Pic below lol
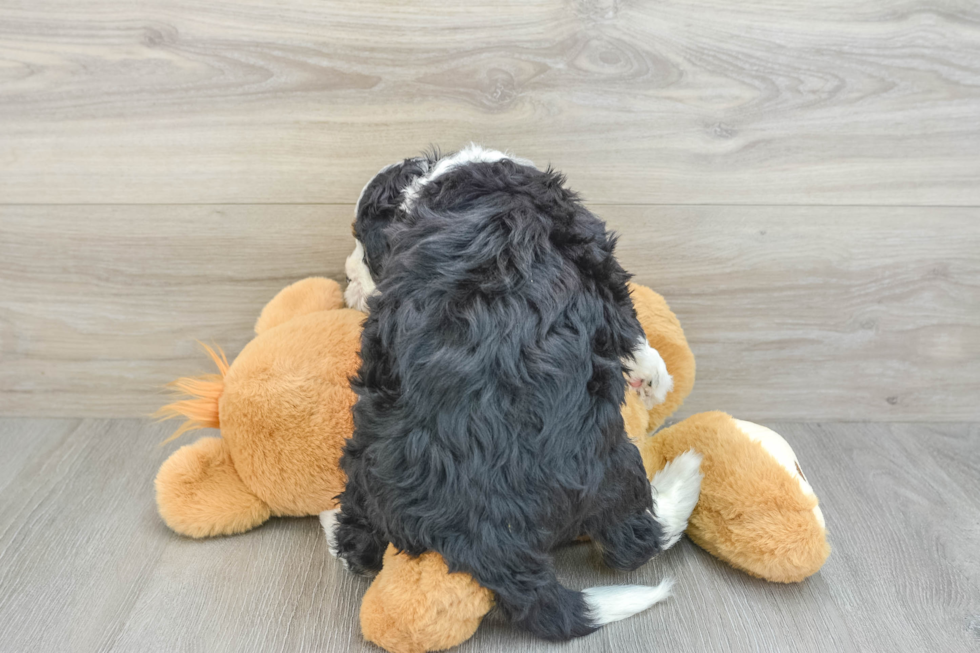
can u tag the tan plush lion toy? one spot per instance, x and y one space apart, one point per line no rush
283 408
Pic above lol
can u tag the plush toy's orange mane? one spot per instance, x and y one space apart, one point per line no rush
201 410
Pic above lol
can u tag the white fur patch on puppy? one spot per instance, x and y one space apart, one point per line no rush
360 284
676 489
615 602
648 375
328 520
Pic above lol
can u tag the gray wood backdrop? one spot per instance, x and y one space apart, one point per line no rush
800 180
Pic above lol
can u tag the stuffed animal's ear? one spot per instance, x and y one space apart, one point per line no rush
306 296
664 333
199 493
415 605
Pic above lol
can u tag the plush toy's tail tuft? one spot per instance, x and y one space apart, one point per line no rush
201 410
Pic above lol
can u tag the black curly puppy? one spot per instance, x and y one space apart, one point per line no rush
488 424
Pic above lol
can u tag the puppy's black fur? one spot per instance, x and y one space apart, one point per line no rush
488 425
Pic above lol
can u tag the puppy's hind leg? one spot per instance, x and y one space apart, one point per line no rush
358 544
623 524
629 543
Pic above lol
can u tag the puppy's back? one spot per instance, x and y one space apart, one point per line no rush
491 379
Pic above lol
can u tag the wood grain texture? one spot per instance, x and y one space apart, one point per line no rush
696 101
909 489
101 307
35 438
86 564
846 313
814 313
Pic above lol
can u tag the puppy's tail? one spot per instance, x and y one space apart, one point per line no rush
557 613
201 409
615 602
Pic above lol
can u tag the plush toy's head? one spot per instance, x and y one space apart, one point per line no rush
757 510
283 408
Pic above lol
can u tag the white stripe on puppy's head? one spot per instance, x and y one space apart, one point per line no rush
472 153
391 193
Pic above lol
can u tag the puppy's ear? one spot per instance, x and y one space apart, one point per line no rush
383 192
380 205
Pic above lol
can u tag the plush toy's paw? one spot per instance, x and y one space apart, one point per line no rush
648 375
328 520
415 605
301 298
676 489
200 494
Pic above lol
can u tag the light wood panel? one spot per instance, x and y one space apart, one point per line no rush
698 101
102 306
819 313
845 313
87 565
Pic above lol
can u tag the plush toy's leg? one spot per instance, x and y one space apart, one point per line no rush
415 605
757 512
305 296
199 493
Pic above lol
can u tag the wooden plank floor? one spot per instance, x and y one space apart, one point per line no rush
86 564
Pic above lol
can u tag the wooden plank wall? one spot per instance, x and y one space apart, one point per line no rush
801 180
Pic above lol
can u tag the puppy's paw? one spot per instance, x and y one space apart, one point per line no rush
648 375
358 549
328 520
676 489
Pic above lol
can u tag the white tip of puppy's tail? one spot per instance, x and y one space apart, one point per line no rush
615 602
676 489
328 520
